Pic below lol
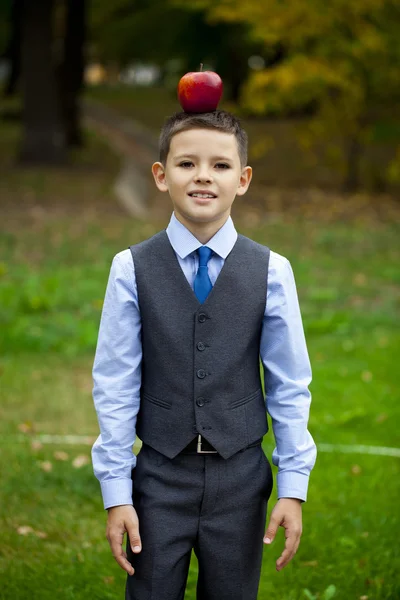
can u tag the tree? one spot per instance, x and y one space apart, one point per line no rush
43 138
13 48
341 57
71 69
159 30
50 80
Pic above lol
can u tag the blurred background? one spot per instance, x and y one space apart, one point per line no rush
84 89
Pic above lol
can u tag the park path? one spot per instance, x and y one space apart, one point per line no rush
138 149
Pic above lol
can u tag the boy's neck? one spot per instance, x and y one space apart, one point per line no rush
203 231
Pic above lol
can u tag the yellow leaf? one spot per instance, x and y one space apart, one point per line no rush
24 530
381 418
356 469
36 445
80 461
366 376
40 534
46 465
60 455
360 279
25 427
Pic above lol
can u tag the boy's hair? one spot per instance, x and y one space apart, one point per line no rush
217 119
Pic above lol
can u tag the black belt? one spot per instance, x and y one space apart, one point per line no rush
206 448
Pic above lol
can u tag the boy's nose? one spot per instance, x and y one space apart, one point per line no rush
203 176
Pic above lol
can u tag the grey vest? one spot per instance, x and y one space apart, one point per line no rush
201 366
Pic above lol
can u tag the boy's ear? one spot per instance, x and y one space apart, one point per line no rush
244 182
159 176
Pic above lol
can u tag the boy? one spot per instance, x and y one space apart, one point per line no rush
187 316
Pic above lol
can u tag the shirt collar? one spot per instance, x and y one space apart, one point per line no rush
184 242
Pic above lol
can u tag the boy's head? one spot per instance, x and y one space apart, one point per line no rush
206 154
219 120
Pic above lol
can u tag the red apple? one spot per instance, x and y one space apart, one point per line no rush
200 91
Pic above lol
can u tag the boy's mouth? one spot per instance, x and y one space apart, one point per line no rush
202 195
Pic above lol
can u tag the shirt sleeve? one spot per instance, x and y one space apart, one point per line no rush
287 375
117 381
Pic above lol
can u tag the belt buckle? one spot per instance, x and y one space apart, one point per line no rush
200 451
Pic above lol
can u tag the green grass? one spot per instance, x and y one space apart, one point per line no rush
59 231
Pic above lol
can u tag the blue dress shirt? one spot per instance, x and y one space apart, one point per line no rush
117 367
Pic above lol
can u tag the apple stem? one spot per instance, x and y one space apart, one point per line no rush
201 67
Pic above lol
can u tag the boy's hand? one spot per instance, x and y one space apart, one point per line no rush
120 519
287 513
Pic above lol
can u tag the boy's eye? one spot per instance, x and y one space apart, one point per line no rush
188 163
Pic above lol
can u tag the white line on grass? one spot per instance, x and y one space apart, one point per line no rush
378 450
89 440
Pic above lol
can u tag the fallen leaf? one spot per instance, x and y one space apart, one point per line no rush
364 597
46 465
40 534
36 445
366 376
86 545
309 563
381 418
80 557
109 579
24 529
80 461
360 279
61 455
25 427
365 534
98 304
356 469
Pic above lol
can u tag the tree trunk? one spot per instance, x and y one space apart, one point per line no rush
232 63
353 155
13 52
43 136
71 71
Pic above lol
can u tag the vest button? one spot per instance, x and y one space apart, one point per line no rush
200 401
201 346
201 373
202 318
194 429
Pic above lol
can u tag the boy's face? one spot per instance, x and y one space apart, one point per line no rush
202 160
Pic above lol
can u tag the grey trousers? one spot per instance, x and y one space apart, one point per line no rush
214 506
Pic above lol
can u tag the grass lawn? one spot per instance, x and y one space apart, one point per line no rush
58 233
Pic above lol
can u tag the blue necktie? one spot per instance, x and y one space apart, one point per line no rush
202 283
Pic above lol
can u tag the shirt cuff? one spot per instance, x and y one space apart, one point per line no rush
116 492
292 485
